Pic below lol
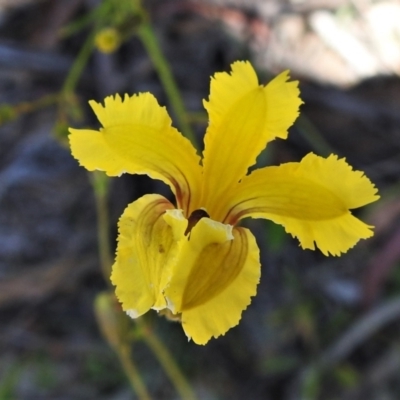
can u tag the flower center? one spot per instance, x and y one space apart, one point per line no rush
194 218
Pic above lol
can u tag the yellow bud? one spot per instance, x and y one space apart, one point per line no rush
112 322
107 40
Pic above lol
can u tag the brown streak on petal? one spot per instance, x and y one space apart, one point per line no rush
228 259
232 217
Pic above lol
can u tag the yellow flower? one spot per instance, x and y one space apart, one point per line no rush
192 258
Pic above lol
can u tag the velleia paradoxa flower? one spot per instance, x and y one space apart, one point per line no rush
192 258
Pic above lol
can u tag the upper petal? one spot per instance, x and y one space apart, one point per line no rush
311 199
137 137
243 116
214 278
146 245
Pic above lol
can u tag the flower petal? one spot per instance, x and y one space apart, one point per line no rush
137 137
214 278
311 199
146 245
244 116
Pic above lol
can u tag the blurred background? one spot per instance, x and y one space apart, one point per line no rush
319 328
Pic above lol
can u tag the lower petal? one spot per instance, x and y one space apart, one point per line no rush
216 316
214 278
145 245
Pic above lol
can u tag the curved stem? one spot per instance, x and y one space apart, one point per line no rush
113 326
79 65
132 372
166 360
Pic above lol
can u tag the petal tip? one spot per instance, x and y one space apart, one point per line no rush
132 313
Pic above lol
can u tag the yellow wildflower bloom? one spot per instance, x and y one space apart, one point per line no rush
192 258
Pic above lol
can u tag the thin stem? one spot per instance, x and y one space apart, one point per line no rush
79 65
42 102
10 112
199 117
150 42
113 325
165 358
132 372
99 180
100 187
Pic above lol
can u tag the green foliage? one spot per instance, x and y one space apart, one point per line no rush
279 364
346 375
9 381
44 372
311 385
60 131
275 235
7 113
102 370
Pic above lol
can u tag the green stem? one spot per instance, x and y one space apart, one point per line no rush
132 372
79 65
113 324
150 42
199 117
166 360
100 187
45 101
